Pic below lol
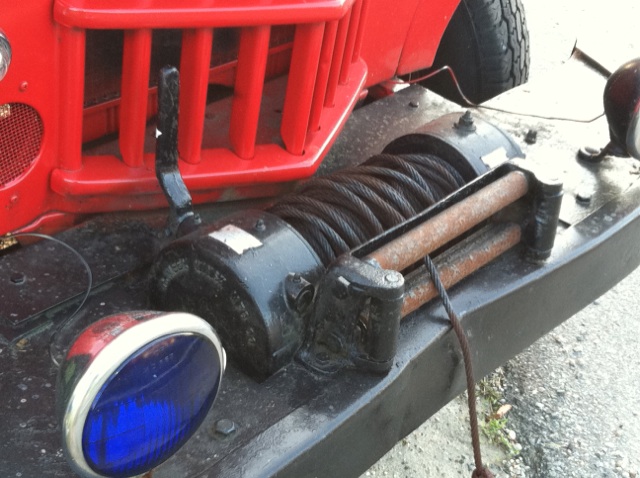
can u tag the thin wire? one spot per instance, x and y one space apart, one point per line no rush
471 104
86 294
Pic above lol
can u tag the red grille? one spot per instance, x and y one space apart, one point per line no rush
295 70
20 140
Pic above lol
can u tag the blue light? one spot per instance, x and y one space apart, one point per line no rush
151 406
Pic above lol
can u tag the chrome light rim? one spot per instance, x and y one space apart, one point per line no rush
5 59
110 358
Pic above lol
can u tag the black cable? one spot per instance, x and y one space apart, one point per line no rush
87 268
471 104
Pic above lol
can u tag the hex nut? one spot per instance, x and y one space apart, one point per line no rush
225 427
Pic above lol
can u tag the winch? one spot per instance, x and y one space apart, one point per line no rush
291 279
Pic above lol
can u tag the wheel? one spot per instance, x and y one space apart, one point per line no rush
487 45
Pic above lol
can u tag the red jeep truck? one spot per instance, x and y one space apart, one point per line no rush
210 187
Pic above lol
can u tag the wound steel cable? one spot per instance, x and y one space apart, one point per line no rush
340 211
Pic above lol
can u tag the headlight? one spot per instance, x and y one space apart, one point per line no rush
5 55
134 387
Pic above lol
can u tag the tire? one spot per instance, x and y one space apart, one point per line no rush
487 45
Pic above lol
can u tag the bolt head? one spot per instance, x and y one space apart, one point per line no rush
225 427
465 122
531 137
260 225
392 277
583 196
18 278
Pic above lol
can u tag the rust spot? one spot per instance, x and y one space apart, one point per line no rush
459 262
7 241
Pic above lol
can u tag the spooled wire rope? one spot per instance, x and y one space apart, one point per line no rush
338 212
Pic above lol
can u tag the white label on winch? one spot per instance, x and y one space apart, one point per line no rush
496 157
235 238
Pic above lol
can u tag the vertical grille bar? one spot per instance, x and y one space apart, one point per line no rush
363 16
72 60
338 54
194 80
328 45
136 61
350 42
305 56
250 74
